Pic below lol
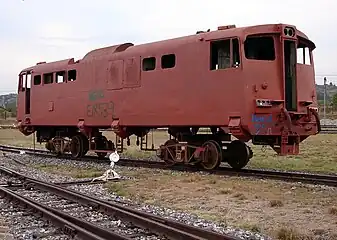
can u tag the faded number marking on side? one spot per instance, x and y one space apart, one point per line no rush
103 109
260 122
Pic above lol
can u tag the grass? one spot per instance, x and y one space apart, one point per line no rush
71 171
289 234
276 203
317 153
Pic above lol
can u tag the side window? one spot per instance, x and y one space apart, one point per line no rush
225 54
168 61
22 82
149 64
260 48
303 54
47 78
71 75
37 79
60 77
29 80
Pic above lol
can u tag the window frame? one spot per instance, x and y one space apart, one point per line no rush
22 82
52 79
231 53
252 36
34 83
168 55
67 78
148 58
65 74
301 46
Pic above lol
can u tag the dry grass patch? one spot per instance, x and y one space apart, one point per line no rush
311 157
226 191
239 196
251 227
276 203
333 210
74 172
292 234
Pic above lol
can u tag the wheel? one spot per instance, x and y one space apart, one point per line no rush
212 155
169 154
76 146
238 154
85 142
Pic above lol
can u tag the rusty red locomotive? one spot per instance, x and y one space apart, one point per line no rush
254 83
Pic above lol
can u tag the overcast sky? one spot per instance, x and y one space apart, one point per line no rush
46 30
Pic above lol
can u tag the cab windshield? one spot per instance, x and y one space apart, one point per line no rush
303 52
260 48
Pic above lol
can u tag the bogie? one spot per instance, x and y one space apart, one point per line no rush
205 150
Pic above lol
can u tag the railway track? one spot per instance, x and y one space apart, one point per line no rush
320 179
85 217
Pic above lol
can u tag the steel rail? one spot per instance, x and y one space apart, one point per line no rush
70 225
322 179
159 225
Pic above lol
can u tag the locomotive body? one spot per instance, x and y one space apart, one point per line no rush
247 82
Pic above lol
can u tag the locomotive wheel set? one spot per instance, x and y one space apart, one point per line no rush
244 82
207 153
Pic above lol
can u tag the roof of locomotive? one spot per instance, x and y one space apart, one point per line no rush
172 43
211 35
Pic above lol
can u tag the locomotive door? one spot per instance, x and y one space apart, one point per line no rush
115 74
28 92
290 60
131 73
24 92
124 73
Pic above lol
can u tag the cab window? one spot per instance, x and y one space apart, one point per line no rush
260 48
225 54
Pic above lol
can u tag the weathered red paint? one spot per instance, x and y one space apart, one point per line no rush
112 90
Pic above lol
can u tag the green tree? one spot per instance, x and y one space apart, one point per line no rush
334 100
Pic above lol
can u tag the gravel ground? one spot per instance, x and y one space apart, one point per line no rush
328 121
100 192
88 214
24 225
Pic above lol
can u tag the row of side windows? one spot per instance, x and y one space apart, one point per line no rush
60 77
167 61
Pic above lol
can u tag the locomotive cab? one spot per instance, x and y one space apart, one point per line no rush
283 95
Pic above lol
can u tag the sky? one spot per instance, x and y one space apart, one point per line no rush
32 31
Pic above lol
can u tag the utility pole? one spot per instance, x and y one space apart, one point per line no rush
324 97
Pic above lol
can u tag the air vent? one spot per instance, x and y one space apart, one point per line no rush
226 27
